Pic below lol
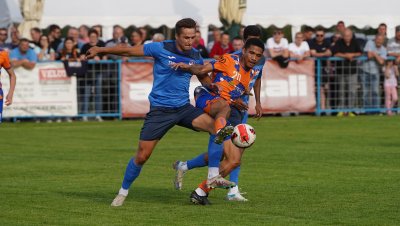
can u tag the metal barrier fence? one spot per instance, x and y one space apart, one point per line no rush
342 87
99 90
356 87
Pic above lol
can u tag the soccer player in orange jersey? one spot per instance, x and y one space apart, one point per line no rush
231 78
5 63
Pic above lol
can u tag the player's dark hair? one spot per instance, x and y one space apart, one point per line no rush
251 30
184 23
254 42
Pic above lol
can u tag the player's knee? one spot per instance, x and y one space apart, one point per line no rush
142 156
234 163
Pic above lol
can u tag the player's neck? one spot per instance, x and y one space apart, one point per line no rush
243 65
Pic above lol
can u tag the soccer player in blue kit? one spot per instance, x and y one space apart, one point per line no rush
169 101
231 163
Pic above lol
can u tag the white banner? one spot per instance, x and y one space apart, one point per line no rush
44 91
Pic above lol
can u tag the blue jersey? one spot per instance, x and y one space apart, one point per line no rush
170 87
257 71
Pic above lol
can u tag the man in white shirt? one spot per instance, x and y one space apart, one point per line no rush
299 49
393 46
277 48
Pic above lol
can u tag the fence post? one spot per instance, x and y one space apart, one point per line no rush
318 112
119 90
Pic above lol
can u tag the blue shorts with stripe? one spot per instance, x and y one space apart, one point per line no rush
160 119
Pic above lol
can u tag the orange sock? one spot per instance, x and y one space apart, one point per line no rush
219 123
203 186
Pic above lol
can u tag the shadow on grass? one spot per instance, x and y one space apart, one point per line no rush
137 194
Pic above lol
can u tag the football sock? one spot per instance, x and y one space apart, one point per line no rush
203 186
219 123
200 192
132 171
214 157
198 161
234 175
233 190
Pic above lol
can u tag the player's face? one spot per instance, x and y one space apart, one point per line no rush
185 39
252 55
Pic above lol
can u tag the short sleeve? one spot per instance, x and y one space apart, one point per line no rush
368 46
269 43
285 43
153 49
6 62
222 63
14 54
306 46
32 56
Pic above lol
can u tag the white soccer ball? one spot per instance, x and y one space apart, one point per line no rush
243 135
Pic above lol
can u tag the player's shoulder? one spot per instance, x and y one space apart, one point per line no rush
170 46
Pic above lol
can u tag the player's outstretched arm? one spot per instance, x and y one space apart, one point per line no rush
13 81
257 90
115 50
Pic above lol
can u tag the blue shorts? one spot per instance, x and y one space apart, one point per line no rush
204 99
160 119
236 116
1 105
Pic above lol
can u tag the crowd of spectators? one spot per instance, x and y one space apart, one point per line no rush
342 42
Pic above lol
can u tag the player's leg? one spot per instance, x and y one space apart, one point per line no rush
156 124
196 119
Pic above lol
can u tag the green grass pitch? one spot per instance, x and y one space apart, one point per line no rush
301 171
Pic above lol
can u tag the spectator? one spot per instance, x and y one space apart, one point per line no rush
158 37
23 56
99 30
83 34
348 49
44 52
382 29
237 43
69 52
320 47
201 39
15 38
118 32
376 53
54 36
73 33
3 39
144 33
93 79
197 45
340 27
221 47
216 37
394 46
136 38
299 49
35 37
308 34
335 37
277 48
391 72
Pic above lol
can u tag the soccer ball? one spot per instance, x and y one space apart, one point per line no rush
243 135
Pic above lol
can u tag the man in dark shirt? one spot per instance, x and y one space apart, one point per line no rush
347 70
197 45
320 47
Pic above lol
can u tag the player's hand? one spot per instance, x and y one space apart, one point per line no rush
213 88
180 65
239 104
92 52
9 100
259 111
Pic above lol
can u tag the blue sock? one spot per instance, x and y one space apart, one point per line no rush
234 176
214 152
245 117
132 171
197 162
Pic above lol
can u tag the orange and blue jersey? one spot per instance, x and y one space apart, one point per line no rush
4 61
230 77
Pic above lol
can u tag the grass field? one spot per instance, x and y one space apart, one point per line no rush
301 171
